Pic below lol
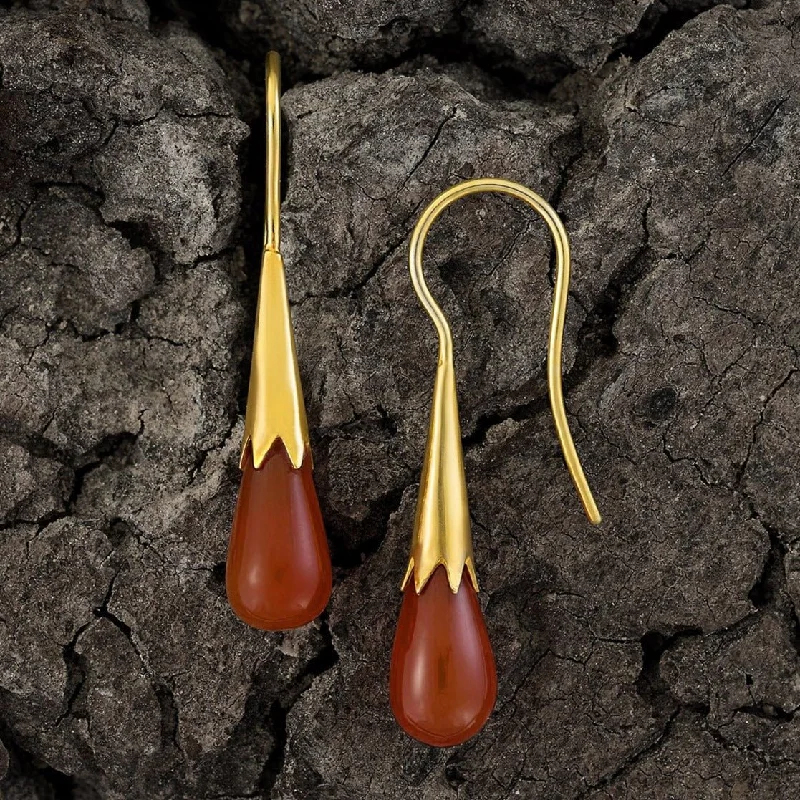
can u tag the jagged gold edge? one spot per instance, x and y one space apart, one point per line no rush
421 581
257 463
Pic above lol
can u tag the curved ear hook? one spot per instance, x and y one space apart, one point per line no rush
442 526
272 234
275 408
560 294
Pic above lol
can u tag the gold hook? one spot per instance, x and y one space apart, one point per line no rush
275 407
441 530
272 231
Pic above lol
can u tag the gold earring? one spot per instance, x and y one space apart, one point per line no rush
443 682
278 571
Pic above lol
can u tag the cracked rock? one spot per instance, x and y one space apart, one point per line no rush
754 671
177 178
692 762
546 40
324 35
63 242
554 37
30 486
653 657
542 41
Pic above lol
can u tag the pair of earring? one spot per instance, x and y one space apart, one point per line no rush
443 681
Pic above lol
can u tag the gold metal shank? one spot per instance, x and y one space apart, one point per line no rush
272 234
275 408
442 527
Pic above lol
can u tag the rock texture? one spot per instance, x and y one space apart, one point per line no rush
653 657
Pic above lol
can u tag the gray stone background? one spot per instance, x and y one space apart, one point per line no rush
653 657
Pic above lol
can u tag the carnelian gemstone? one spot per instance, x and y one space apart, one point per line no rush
442 682
278 573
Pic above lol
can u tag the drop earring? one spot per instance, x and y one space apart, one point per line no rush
443 682
278 572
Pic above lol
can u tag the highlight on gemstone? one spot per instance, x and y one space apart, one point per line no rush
443 681
278 573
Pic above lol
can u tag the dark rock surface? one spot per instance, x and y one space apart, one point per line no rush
653 657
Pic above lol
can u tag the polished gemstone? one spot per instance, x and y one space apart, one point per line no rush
278 573
442 683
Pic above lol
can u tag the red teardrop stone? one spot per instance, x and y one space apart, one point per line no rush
442 682
278 573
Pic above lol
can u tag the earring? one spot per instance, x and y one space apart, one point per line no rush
278 572
443 682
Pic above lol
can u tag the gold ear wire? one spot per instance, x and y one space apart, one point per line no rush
272 220
442 529
275 408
